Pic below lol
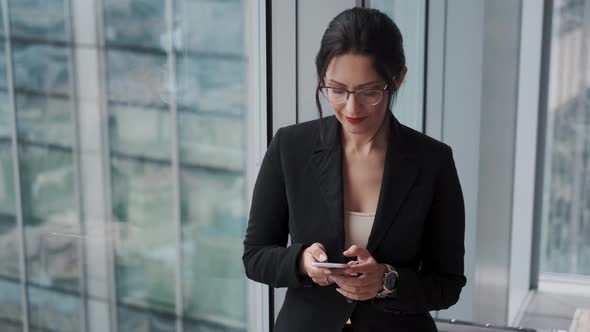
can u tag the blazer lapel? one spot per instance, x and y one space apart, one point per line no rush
327 161
399 175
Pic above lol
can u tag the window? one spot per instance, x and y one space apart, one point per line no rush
164 119
10 301
410 17
43 100
565 240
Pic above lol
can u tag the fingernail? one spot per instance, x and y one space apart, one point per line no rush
327 272
323 257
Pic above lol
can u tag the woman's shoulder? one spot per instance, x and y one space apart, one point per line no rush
303 134
295 143
306 128
424 146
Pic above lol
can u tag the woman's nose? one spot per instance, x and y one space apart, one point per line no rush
351 103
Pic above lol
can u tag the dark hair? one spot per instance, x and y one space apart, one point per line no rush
368 32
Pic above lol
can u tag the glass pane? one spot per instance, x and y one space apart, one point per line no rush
210 84
5 118
5 111
40 69
226 18
38 19
49 211
212 141
211 70
146 242
565 242
136 78
10 305
10 296
138 320
53 310
3 77
2 26
44 120
140 132
213 225
40 72
9 252
48 179
410 17
135 23
212 98
10 287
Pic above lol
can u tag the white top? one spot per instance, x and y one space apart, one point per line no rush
357 227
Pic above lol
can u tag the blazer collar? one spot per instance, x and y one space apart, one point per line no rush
399 175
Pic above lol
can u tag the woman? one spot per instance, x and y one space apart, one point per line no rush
358 188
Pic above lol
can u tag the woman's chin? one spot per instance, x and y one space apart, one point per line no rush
356 129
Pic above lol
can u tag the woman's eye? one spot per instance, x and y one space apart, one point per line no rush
338 92
369 93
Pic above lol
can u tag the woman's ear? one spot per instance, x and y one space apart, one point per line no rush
397 82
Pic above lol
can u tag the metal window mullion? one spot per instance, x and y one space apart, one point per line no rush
16 169
109 230
259 311
434 70
175 163
543 144
77 171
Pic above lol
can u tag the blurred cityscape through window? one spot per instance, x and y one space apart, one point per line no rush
166 106
565 240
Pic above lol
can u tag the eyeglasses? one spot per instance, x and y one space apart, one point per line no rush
369 97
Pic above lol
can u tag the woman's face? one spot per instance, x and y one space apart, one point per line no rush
355 72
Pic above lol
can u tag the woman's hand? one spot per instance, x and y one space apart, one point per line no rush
315 253
370 279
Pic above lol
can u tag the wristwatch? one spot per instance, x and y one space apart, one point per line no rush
390 281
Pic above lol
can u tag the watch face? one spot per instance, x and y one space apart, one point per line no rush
391 281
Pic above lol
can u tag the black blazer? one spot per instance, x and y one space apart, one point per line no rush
418 228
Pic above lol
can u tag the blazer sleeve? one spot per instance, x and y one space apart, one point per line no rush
437 283
266 257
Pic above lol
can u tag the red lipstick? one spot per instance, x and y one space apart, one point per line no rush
355 120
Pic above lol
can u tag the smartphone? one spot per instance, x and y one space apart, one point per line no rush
330 265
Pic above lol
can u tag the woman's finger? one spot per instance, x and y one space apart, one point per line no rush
322 281
361 253
318 252
354 281
357 286
357 297
363 289
364 268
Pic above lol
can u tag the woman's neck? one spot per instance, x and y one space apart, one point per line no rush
365 144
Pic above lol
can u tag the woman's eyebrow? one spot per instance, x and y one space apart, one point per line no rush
356 87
